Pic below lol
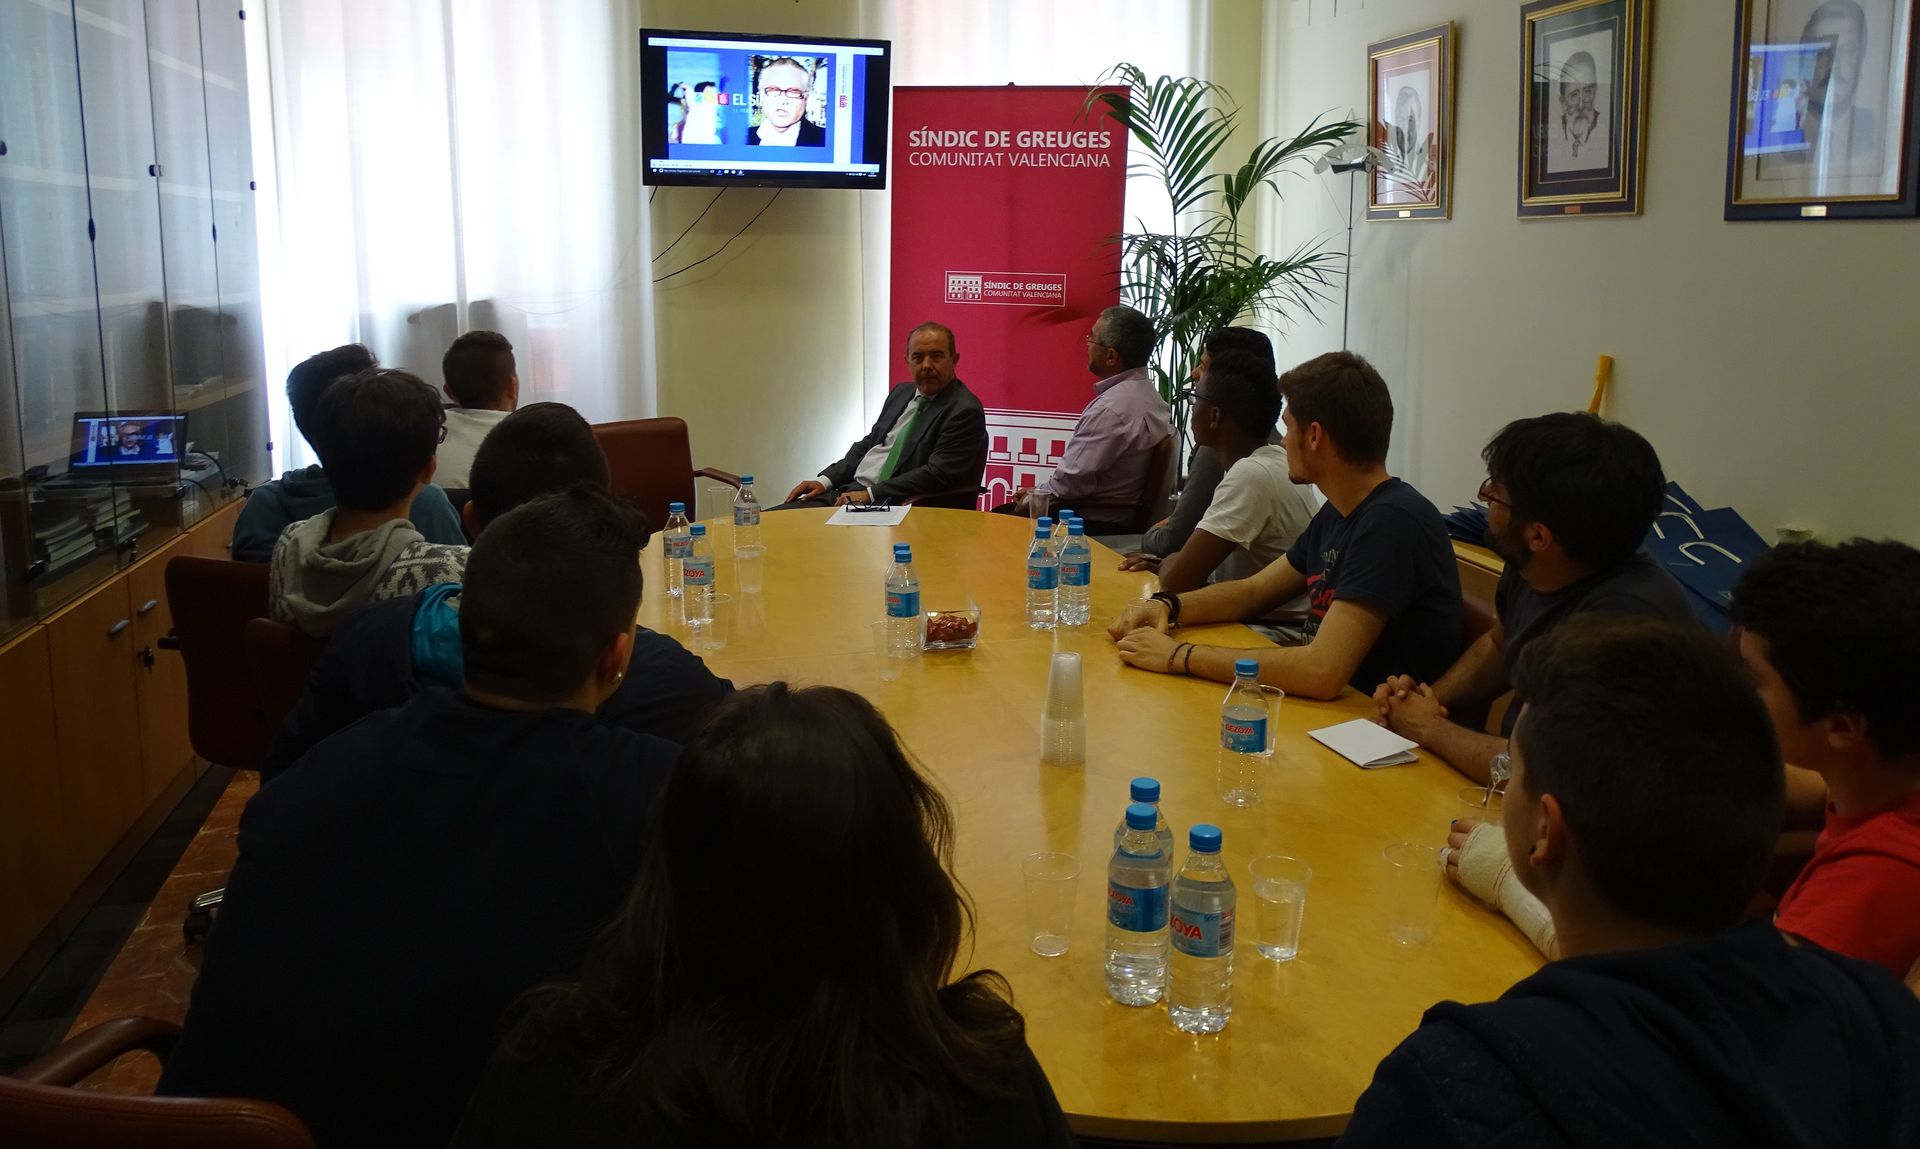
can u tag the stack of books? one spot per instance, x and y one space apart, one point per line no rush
117 520
64 539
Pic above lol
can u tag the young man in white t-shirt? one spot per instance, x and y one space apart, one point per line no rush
1257 511
483 382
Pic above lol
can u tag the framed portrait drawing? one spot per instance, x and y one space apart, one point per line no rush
1583 106
1824 104
1410 119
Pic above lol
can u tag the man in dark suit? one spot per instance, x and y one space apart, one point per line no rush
931 437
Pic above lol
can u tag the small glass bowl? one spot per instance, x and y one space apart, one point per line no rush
952 629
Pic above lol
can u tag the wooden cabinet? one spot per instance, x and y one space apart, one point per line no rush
96 713
36 869
213 537
160 678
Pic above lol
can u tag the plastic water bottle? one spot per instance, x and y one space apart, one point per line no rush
1076 576
1147 792
903 601
678 542
746 515
1243 736
1060 522
1137 880
1043 577
698 569
1200 975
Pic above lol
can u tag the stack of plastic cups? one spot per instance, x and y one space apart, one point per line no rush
1063 725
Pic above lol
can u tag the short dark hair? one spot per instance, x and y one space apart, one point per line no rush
953 346
548 585
1842 626
477 368
1344 394
1242 386
537 450
1596 485
1221 340
311 377
1129 333
375 432
1652 738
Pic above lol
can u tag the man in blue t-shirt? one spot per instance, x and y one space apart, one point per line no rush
1375 561
1569 498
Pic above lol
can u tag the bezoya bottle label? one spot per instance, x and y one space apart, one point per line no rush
746 515
1201 933
903 604
698 572
1243 735
1141 910
1076 573
1042 576
679 546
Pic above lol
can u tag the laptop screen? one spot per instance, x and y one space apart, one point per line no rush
127 439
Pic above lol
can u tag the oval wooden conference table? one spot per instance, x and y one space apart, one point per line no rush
1305 1035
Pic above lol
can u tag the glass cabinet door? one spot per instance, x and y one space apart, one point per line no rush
236 243
58 369
123 181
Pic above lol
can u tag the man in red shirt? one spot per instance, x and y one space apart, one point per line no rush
1832 635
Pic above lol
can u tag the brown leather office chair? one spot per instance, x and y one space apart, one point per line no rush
212 601
1152 503
40 1109
280 658
651 462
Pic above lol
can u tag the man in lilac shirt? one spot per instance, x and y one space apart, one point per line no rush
1104 469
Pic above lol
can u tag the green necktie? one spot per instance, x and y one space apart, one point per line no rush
900 440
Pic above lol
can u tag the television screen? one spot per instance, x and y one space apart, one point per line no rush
723 109
104 440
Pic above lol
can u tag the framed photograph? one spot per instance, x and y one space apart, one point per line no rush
1583 106
1823 99
1410 116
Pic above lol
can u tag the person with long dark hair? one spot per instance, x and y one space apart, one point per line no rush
780 975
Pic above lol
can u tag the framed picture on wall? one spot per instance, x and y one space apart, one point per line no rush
1410 117
1583 106
1823 103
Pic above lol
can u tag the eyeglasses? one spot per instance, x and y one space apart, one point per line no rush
1193 394
1485 495
783 93
443 433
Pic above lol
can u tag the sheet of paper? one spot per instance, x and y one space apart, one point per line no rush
848 517
1366 744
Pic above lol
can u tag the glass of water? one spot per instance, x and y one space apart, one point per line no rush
1280 897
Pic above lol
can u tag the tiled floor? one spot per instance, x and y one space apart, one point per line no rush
134 933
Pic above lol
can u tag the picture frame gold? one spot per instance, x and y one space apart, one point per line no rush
1583 106
1410 109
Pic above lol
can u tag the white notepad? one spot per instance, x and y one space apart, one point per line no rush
1366 744
848 517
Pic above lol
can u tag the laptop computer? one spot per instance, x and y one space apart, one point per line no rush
127 446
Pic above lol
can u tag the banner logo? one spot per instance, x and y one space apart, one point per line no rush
1007 288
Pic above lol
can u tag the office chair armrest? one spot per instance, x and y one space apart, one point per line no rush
727 477
169 641
71 1061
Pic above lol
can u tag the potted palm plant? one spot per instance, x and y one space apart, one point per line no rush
1204 273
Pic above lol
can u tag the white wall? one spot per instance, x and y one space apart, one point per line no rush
1772 364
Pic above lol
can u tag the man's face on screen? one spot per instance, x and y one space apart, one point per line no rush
932 362
783 95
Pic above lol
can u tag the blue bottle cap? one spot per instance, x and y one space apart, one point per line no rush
676 508
1246 668
1044 522
745 479
1144 790
1076 527
1141 816
1204 839
903 552
1041 530
1067 513
698 529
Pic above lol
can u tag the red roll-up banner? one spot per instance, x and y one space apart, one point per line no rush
1005 204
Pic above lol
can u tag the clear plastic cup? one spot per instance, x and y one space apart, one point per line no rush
713 636
1052 880
888 661
1481 803
1280 902
1413 891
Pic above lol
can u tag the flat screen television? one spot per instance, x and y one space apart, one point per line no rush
725 109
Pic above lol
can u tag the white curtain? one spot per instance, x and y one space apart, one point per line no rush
446 165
